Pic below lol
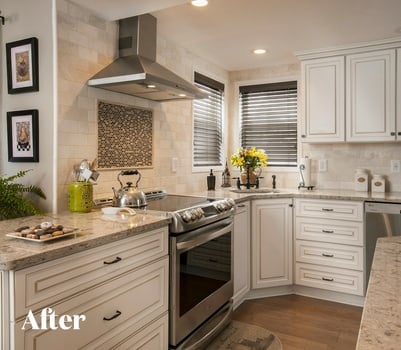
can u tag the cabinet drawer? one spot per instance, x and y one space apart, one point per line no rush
42 285
332 231
153 337
335 255
330 209
135 299
330 278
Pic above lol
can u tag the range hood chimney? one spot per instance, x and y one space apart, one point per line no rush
136 72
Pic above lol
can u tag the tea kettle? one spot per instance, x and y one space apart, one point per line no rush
129 196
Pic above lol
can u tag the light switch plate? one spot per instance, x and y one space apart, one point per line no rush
395 166
322 165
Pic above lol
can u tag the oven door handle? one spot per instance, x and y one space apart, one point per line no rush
202 238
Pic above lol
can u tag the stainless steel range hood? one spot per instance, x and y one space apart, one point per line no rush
136 72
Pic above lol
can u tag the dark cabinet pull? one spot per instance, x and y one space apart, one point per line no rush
118 313
327 231
327 209
327 279
328 255
117 259
241 205
399 133
303 136
392 133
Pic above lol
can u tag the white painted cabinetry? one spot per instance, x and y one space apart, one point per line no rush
120 287
242 252
370 87
323 94
329 245
357 85
398 96
271 243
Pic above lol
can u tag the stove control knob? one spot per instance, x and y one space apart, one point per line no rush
186 216
194 215
220 206
199 213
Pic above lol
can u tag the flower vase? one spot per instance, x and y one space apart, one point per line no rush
250 176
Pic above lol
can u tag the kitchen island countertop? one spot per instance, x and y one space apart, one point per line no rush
381 318
94 229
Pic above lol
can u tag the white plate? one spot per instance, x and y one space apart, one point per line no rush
12 235
117 210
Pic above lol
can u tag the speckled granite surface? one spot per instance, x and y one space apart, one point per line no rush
314 194
94 229
381 318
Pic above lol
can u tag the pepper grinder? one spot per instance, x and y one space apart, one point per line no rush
211 181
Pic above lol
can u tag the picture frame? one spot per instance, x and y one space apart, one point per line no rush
22 66
23 136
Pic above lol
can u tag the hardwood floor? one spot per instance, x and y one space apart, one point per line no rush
304 323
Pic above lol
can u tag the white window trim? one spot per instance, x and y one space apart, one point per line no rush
236 120
206 169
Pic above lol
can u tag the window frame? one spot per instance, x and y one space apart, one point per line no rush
237 113
206 169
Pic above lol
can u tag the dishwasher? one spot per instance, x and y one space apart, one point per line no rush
381 220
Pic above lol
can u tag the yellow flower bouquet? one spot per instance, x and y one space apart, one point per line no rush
249 158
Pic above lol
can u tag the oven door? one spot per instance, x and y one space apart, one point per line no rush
201 276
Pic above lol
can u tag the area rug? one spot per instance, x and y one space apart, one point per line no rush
243 336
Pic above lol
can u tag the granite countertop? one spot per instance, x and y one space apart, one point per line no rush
381 318
244 195
94 229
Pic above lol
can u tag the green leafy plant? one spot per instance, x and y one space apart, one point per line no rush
14 202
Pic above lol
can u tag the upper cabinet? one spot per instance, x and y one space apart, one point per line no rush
323 100
349 94
370 96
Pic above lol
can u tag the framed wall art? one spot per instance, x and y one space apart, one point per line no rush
22 66
23 136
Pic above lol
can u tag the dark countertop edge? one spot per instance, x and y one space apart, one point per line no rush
81 244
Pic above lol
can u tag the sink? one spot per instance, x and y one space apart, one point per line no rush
256 190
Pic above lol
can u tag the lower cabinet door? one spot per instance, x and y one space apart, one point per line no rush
330 278
112 312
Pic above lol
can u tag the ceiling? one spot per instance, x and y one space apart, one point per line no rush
226 31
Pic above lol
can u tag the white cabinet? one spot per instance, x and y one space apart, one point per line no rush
242 251
271 242
330 245
121 288
398 97
352 93
323 94
370 86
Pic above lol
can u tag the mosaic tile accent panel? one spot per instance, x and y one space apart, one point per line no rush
125 136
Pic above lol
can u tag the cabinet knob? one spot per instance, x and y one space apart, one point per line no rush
303 136
393 133
399 133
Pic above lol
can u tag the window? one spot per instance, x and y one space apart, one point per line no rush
268 115
208 123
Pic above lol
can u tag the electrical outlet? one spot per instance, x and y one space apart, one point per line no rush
395 166
322 165
174 163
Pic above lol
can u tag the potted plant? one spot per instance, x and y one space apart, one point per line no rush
13 200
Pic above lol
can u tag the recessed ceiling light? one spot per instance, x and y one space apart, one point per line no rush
199 3
259 51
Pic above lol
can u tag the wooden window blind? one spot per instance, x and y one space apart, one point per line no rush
268 115
208 123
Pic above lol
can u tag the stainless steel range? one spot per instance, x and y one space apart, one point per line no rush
201 285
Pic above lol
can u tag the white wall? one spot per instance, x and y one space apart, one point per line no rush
25 19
